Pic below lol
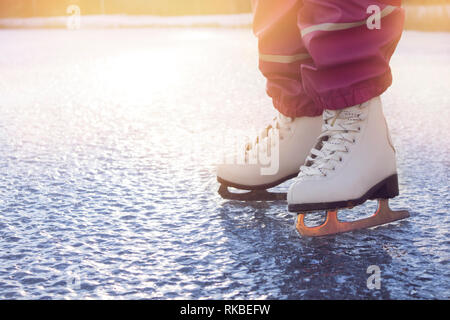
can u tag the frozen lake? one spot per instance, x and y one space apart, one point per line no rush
108 140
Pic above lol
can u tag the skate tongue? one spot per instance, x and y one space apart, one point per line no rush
335 117
351 113
282 119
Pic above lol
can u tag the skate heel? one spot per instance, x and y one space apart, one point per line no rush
388 189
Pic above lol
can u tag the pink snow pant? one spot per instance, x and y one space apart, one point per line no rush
325 54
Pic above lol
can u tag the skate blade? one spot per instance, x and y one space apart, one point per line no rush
332 225
252 195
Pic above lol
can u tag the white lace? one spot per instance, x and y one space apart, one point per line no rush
339 130
263 142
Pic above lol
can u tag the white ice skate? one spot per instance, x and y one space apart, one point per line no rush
274 157
353 161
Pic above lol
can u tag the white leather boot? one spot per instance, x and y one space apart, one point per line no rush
353 161
275 156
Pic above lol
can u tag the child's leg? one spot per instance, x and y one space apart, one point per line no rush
354 159
282 52
282 147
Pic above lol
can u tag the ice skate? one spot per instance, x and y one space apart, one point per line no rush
274 157
353 161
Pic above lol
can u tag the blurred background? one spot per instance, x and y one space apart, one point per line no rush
430 15
26 8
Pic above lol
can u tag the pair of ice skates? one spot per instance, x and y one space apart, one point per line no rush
339 160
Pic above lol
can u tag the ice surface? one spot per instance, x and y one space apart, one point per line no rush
108 140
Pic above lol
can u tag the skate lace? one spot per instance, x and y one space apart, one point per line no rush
268 137
339 130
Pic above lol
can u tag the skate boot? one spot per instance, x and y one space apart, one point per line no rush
274 157
353 161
